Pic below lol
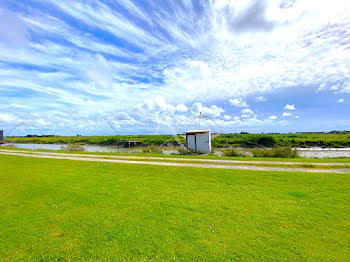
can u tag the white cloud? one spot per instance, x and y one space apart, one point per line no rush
334 87
289 107
286 114
247 111
272 117
227 117
6 117
341 100
157 105
238 102
261 99
181 108
214 111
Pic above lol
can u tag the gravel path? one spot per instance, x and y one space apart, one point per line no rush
127 160
177 159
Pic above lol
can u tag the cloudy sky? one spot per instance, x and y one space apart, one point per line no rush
147 67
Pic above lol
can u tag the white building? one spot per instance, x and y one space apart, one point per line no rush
199 140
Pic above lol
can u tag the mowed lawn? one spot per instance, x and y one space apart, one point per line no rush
69 210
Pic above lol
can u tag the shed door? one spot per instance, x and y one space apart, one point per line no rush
191 142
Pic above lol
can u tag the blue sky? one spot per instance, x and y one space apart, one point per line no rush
147 67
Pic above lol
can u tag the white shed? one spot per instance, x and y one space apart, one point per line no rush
198 140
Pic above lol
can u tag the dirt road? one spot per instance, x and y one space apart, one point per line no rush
203 163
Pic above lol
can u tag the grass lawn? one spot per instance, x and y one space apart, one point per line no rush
71 210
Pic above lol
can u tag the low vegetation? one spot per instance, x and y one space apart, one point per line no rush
185 151
152 149
223 140
272 140
284 152
60 210
10 145
73 147
231 152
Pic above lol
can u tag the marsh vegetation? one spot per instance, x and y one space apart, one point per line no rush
223 140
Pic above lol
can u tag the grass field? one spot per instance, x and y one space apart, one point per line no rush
223 140
71 210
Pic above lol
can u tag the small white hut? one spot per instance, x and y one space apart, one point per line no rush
198 140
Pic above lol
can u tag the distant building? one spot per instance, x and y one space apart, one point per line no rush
199 140
332 132
339 132
311 133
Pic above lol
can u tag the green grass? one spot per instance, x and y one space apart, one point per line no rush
286 165
223 140
71 210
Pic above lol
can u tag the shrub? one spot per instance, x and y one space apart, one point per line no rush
308 165
259 140
110 141
152 149
73 147
231 152
267 141
184 151
283 152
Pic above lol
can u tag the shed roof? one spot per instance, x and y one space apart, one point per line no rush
198 131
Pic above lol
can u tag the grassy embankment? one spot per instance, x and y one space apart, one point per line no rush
224 140
271 140
97 140
71 210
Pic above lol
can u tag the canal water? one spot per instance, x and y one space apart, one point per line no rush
303 152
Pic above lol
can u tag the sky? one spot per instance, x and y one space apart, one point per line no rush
73 67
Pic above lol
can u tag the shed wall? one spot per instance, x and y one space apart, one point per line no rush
199 142
203 143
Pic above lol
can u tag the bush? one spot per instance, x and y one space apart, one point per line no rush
152 149
259 140
231 152
267 141
73 147
282 152
184 151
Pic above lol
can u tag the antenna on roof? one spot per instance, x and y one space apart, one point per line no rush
112 127
199 121
15 127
